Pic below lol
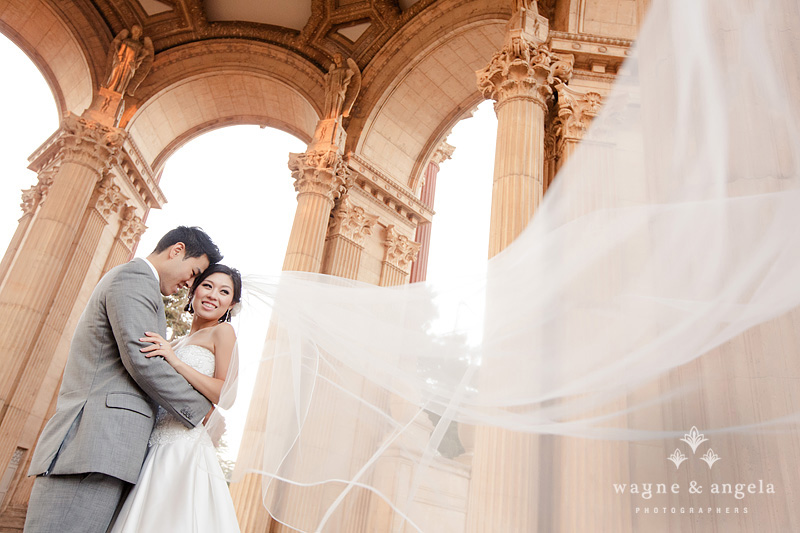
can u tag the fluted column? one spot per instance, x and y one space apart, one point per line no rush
399 253
49 269
349 227
509 479
419 269
519 78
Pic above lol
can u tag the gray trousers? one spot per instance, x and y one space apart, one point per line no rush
80 503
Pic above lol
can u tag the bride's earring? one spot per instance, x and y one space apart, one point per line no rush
227 316
189 308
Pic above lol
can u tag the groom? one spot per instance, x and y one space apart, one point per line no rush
93 447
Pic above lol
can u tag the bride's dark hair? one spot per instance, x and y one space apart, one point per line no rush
235 276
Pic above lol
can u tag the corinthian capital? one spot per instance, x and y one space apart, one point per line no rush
88 142
36 195
131 227
575 112
352 221
400 250
523 69
443 152
107 197
319 172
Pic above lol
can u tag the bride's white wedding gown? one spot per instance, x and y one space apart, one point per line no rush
181 487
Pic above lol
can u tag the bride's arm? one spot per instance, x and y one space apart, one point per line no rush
223 338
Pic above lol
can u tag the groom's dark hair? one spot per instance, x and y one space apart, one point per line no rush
197 243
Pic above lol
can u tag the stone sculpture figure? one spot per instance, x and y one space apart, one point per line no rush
129 60
342 85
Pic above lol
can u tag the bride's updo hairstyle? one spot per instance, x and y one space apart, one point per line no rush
235 276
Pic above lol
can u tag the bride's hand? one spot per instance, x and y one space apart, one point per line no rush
160 348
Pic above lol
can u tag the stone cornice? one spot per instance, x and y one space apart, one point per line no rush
387 192
140 175
594 54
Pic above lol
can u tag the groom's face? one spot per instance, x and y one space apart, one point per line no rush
180 272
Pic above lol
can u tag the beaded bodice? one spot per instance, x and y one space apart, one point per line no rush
169 429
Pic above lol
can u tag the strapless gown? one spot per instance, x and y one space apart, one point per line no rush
181 487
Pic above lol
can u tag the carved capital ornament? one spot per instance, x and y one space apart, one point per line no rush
352 221
319 172
575 112
131 227
525 67
400 251
89 143
107 197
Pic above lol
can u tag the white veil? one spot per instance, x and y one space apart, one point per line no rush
624 313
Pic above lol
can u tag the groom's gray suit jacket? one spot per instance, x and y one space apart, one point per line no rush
110 391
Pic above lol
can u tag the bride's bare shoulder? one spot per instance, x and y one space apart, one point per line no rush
223 332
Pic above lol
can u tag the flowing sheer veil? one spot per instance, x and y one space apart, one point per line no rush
625 312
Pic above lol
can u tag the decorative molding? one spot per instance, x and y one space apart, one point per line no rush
400 251
525 67
575 113
131 227
588 38
351 221
82 141
36 195
107 197
387 193
442 153
319 172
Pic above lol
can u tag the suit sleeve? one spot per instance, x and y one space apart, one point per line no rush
132 309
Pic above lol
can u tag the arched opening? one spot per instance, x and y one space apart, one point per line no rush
234 183
30 117
460 228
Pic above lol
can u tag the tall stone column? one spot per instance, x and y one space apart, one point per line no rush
419 269
350 226
399 253
519 78
508 483
48 270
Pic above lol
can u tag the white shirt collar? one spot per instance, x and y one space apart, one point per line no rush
155 272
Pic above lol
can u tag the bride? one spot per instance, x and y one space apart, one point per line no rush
181 486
